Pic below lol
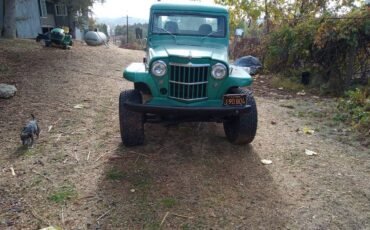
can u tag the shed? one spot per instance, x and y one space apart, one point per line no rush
27 18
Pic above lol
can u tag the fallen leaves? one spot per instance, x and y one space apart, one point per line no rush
310 152
12 170
79 106
266 162
309 131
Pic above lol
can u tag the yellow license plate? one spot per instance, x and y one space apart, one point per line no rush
235 99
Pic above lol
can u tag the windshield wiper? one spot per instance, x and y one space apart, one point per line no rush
163 29
213 32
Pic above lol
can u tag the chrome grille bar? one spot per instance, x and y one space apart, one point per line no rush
188 82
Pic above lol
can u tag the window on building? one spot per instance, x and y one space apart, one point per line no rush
44 12
60 9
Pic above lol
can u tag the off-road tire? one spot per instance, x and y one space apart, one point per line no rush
131 123
242 129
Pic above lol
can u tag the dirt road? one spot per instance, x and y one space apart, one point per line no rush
186 176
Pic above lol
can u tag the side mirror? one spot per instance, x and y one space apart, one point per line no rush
239 32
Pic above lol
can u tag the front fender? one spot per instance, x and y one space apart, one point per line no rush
137 73
238 78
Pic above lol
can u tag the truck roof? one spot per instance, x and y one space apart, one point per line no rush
201 7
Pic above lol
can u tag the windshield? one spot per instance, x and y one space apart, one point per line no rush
189 24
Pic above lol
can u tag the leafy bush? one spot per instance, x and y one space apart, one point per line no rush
335 50
357 104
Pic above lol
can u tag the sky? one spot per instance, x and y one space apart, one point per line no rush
134 8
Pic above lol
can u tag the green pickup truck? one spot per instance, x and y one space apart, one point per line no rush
186 76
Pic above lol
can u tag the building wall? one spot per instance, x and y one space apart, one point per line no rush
27 18
48 22
61 21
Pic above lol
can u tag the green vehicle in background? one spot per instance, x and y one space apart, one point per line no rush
56 37
186 76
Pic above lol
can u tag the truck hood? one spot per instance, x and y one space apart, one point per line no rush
188 51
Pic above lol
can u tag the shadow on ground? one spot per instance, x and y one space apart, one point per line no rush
192 173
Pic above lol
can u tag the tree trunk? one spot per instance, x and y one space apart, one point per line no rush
267 18
71 22
9 19
302 8
351 56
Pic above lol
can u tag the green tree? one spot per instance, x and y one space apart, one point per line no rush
276 12
239 10
102 28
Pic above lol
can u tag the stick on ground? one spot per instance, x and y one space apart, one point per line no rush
164 218
178 215
33 212
62 215
103 215
101 156
43 176
88 156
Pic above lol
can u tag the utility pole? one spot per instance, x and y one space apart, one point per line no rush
127 28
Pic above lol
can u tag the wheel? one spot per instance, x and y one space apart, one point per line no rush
131 123
242 129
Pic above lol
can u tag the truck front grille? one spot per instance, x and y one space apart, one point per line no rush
188 82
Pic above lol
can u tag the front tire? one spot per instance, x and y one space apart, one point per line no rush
131 123
242 129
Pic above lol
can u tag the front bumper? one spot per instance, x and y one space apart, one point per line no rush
222 111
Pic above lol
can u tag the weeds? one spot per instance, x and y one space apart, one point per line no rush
153 226
4 68
185 227
63 193
356 108
340 117
141 180
115 174
168 202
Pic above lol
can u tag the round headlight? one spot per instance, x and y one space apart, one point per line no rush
219 71
159 68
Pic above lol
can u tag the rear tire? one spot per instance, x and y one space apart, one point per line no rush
242 129
131 123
